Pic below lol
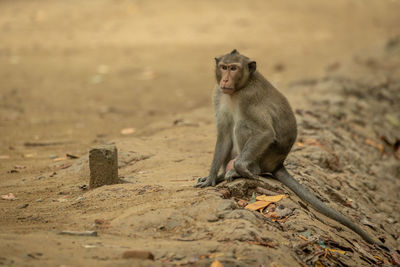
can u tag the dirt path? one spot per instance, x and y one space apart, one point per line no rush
78 73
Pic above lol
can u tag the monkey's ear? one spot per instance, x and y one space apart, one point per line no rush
217 59
252 66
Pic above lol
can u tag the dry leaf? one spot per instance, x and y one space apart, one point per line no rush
335 250
257 205
9 196
303 237
395 257
19 167
372 143
127 131
215 255
216 263
60 159
270 198
300 144
242 203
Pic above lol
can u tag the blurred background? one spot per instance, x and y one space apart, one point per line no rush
75 74
78 71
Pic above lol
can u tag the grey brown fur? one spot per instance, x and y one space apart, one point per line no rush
257 128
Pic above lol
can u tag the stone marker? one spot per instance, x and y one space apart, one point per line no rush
103 163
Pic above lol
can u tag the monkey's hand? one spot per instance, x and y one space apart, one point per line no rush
206 181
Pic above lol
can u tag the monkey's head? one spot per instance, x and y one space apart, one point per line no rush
233 71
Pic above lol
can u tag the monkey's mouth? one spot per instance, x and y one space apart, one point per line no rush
227 90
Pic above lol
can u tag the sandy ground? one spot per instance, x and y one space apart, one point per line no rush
73 74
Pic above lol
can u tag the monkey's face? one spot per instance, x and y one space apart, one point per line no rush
233 71
230 76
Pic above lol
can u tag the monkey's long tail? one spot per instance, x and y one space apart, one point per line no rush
284 177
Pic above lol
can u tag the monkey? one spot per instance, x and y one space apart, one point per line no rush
256 129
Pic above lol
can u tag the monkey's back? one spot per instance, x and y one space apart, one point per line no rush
277 107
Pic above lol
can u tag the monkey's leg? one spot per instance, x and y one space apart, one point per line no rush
228 165
247 164
223 149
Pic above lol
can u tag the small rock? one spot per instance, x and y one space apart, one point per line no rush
19 167
80 198
75 233
282 211
226 205
23 206
62 199
212 218
83 187
39 200
279 67
138 254
225 193
390 220
193 259
99 221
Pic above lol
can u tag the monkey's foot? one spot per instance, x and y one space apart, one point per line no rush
205 181
202 179
230 175
242 171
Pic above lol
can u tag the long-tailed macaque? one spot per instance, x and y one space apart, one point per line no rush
256 130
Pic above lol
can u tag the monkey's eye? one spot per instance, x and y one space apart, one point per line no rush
224 67
233 68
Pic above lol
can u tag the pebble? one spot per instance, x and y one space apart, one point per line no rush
84 233
23 206
138 254
390 220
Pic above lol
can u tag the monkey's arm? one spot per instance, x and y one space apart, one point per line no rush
223 149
